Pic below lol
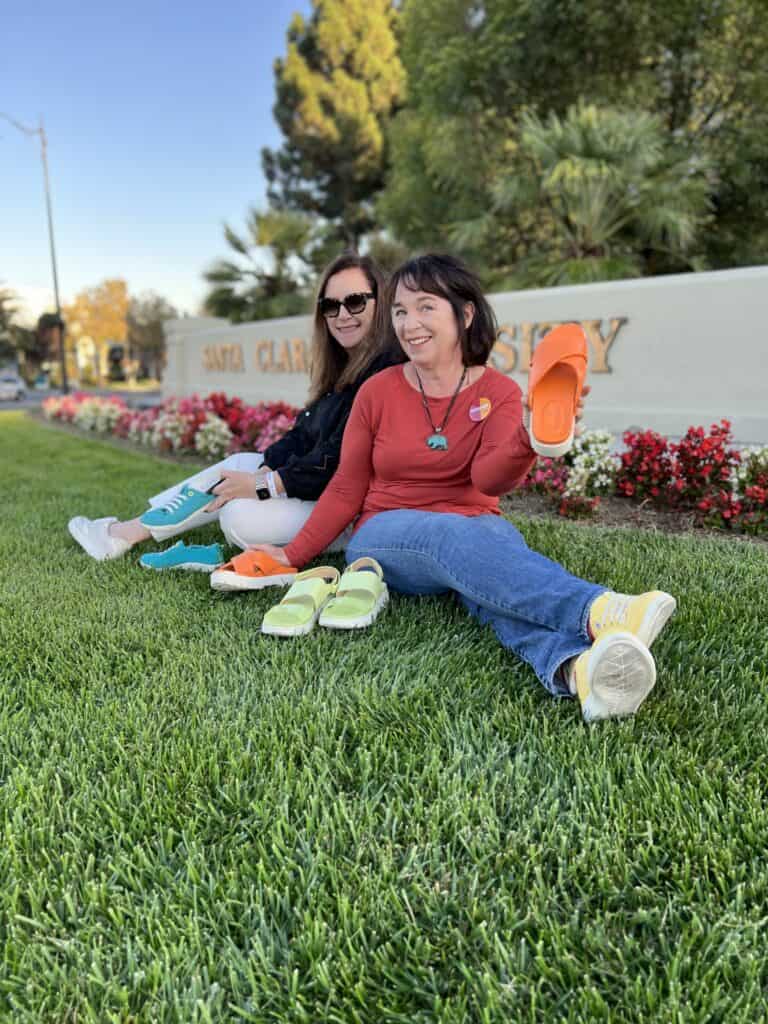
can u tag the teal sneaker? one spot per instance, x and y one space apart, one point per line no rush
183 512
195 557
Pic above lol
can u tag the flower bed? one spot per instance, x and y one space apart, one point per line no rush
702 474
211 427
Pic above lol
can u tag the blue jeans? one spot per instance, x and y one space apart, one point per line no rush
536 608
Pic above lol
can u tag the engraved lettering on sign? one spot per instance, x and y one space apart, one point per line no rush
283 357
287 356
513 348
224 358
298 355
504 354
600 344
526 346
264 360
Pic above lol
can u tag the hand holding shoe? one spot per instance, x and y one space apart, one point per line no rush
273 551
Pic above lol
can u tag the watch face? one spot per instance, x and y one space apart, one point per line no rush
262 493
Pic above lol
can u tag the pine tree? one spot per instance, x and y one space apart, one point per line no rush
337 88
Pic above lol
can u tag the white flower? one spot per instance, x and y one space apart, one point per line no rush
98 414
213 437
754 463
592 465
168 431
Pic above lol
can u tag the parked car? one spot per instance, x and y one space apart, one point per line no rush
12 386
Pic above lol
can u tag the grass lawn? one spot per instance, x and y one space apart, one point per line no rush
204 824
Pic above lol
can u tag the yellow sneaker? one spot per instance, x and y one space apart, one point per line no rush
645 615
613 677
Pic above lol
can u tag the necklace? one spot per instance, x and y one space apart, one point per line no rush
437 439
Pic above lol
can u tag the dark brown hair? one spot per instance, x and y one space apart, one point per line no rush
451 279
334 367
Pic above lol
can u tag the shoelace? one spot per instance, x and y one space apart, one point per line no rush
175 503
616 612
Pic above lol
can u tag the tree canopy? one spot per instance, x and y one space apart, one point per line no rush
16 339
144 329
543 140
99 312
268 275
698 67
336 90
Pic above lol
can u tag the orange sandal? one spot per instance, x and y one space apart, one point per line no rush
555 382
252 570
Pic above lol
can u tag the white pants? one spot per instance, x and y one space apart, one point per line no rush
248 521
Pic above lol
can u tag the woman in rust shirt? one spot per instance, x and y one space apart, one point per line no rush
428 449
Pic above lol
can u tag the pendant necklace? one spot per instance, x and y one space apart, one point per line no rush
437 439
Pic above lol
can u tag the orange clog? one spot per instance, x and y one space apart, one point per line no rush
555 382
252 570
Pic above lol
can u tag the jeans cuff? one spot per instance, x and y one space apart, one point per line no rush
554 681
584 618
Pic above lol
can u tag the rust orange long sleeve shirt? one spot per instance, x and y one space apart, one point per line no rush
386 464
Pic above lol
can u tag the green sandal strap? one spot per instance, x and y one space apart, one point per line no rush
360 585
365 563
305 591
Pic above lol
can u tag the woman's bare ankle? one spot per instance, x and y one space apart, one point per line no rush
132 530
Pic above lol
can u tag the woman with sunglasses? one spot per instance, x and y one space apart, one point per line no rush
269 495
429 448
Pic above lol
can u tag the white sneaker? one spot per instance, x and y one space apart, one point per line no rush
94 537
613 677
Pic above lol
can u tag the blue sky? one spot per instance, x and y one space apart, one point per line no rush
155 116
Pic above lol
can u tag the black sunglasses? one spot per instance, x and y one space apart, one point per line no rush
354 303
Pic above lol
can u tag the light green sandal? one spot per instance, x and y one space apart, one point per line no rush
359 599
298 611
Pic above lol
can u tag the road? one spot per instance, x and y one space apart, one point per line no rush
134 399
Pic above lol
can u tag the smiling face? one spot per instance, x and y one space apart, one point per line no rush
347 328
426 327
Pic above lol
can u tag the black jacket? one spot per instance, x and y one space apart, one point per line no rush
308 455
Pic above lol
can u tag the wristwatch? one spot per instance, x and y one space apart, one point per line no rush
262 493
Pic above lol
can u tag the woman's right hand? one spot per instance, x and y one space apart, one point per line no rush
273 551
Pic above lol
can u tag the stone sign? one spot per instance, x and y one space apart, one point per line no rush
664 353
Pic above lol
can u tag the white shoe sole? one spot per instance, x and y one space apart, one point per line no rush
230 581
551 451
166 532
327 620
621 673
188 566
658 614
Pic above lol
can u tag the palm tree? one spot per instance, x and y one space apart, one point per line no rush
611 195
271 278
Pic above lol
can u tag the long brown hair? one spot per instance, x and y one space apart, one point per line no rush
333 367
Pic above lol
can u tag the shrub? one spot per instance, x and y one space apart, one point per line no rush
213 437
98 414
703 473
575 482
703 465
592 466
261 425
209 426
750 486
646 468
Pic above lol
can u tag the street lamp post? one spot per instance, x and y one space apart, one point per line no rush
40 131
